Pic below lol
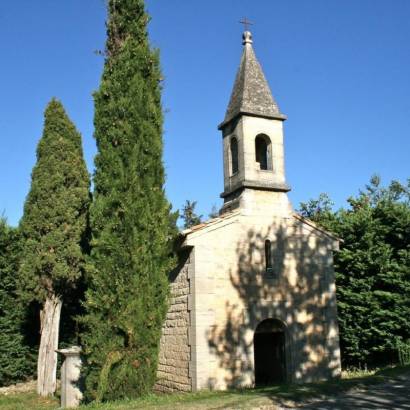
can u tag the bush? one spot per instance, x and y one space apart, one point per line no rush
17 362
403 349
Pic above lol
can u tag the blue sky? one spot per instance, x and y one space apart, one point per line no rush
338 70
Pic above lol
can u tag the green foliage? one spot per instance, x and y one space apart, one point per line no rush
372 271
318 210
16 360
54 224
132 227
189 216
403 349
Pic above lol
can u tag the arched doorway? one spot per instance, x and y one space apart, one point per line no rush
269 352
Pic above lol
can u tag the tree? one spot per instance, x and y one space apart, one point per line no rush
214 212
189 216
318 210
54 229
16 361
131 247
372 271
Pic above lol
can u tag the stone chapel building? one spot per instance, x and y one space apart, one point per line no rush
253 299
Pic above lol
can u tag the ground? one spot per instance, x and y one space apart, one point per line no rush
384 389
393 394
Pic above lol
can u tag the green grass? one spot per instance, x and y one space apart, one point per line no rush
26 401
238 399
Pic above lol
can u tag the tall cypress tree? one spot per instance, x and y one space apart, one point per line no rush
130 217
54 230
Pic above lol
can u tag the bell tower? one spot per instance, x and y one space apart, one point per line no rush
252 132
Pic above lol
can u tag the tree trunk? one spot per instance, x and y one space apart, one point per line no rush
47 356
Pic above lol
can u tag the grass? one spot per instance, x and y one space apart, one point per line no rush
238 399
26 401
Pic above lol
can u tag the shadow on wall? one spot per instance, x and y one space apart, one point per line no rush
298 291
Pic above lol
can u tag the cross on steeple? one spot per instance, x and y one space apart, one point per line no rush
246 23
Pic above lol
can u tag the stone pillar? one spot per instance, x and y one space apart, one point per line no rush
70 376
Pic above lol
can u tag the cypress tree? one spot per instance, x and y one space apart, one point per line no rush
131 225
54 229
16 359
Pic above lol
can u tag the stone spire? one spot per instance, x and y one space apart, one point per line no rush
251 93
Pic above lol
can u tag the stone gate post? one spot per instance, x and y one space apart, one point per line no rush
71 394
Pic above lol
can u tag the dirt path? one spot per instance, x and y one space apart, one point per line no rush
392 395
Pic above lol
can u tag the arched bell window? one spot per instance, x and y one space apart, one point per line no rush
234 155
263 152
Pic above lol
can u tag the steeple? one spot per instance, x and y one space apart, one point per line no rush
254 163
251 93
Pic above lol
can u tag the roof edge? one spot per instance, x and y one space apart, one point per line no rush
268 186
210 222
317 227
279 116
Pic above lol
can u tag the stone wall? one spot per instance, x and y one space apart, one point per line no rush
175 352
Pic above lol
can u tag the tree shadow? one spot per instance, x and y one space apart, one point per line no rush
298 290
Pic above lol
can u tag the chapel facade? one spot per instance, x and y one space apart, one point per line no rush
253 299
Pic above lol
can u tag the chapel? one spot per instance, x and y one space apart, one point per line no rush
253 299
